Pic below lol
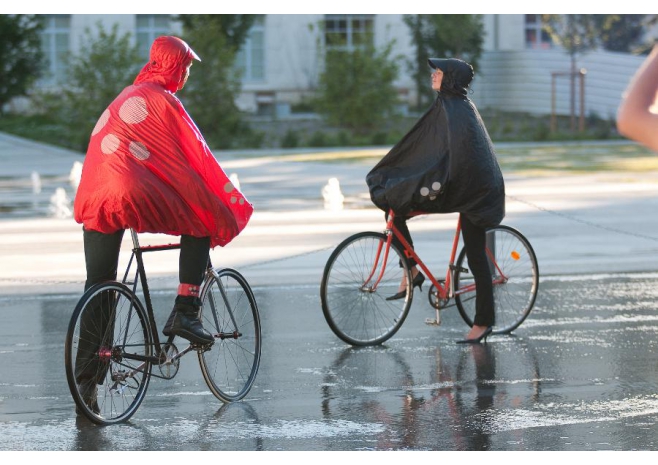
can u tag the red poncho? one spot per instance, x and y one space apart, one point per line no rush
149 168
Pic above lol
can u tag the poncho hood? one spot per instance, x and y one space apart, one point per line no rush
167 62
457 74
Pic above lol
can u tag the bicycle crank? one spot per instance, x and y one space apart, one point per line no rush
171 361
436 301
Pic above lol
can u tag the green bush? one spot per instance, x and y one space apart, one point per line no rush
319 139
290 139
343 139
105 65
379 138
356 89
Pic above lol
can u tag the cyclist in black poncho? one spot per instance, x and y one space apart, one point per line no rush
446 163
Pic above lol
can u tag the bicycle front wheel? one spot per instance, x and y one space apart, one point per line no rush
230 313
358 277
106 353
515 274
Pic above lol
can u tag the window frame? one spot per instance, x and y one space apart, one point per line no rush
247 60
365 30
53 55
542 38
151 30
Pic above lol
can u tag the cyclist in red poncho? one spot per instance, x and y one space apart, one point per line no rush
149 168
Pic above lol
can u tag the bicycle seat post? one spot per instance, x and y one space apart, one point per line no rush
133 234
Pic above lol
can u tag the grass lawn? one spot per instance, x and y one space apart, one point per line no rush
522 158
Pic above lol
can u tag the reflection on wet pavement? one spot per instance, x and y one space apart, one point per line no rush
579 374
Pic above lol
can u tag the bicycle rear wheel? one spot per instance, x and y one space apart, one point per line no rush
230 313
106 347
355 311
515 275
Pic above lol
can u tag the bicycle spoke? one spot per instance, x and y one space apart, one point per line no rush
229 307
107 326
358 315
515 296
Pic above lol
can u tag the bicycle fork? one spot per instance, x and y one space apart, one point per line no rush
235 334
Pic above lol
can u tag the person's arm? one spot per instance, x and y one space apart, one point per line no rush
634 118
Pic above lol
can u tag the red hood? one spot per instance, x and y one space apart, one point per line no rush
168 60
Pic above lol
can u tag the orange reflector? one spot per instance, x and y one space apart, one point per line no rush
515 255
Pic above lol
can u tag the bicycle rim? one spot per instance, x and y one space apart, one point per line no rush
108 329
357 312
513 298
230 313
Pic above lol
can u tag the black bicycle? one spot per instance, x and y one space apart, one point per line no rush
114 333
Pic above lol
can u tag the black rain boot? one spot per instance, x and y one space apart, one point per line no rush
186 321
170 321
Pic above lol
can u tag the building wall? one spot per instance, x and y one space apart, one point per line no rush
291 62
505 32
79 23
521 81
511 77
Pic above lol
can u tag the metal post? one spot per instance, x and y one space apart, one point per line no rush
553 118
582 73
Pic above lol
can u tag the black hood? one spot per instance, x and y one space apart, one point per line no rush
457 74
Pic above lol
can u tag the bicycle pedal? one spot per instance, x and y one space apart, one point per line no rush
460 268
202 347
432 322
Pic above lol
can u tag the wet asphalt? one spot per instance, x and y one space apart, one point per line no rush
580 374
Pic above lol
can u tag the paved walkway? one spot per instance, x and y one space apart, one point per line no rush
595 223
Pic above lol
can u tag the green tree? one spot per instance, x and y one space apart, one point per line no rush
20 55
621 33
105 65
449 36
214 83
356 89
577 34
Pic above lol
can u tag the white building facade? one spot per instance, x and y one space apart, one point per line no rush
282 59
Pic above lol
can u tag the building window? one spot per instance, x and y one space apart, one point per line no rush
55 46
148 28
250 60
535 34
348 32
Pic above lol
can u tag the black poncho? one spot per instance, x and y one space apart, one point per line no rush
446 163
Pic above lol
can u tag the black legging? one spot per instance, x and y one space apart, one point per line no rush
102 259
400 223
475 242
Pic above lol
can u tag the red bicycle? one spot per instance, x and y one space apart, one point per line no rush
367 267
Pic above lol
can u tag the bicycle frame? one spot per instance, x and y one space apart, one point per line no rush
140 277
444 291
121 349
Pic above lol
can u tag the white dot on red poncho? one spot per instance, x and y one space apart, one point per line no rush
133 110
102 121
110 144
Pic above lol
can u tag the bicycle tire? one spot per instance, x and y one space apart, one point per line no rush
230 313
513 299
356 314
119 381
